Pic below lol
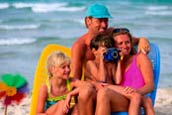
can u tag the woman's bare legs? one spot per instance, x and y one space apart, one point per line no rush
110 101
131 94
135 102
116 97
148 106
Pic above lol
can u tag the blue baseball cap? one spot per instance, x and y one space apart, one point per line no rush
98 11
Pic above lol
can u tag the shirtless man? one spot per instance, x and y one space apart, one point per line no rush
96 21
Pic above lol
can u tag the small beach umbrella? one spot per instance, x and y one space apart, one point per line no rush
12 89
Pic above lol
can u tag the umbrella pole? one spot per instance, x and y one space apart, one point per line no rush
5 110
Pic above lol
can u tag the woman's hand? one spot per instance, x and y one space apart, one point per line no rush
129 90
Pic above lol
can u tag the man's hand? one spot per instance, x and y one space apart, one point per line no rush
144 45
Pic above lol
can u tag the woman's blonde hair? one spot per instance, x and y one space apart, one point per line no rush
57 58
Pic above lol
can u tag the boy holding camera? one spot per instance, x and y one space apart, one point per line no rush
105 70
101 71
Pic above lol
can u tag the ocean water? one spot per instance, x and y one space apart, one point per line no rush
26 27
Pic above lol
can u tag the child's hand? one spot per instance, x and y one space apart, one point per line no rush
104 84
121 55
98 86
67 103
101 51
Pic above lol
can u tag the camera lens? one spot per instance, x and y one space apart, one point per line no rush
115 55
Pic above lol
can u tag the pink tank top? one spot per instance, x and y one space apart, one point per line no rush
133 76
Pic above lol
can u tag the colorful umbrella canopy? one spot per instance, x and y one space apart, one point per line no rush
12 88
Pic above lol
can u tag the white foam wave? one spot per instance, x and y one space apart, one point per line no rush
17 41
70 9
4 5
43 8
19 27
22 5
160 13
53 7
153 8
26 5
158 10
49 7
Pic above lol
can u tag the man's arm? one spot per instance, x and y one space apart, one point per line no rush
77 61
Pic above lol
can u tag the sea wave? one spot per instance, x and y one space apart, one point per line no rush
153 8
52 8
80 21
26 5
159 10
17 41
4 5
160 13
19 27
47 7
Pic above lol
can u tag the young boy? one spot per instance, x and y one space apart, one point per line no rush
98 70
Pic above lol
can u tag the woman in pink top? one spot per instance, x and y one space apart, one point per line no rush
137 74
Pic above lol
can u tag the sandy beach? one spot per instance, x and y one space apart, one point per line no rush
163 104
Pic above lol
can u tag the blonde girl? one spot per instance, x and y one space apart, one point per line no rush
54 96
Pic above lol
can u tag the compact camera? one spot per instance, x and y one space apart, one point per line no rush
112 54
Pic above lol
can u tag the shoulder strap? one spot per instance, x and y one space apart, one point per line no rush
68 85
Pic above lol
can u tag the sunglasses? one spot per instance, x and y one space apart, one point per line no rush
117 30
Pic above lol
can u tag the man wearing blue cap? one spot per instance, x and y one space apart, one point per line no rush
96 21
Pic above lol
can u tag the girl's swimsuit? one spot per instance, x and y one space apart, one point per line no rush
52 100
133 76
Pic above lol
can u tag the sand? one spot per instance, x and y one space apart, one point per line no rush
163 104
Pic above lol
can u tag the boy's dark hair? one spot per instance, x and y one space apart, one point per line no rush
102 40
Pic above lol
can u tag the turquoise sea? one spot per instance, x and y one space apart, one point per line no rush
27 26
